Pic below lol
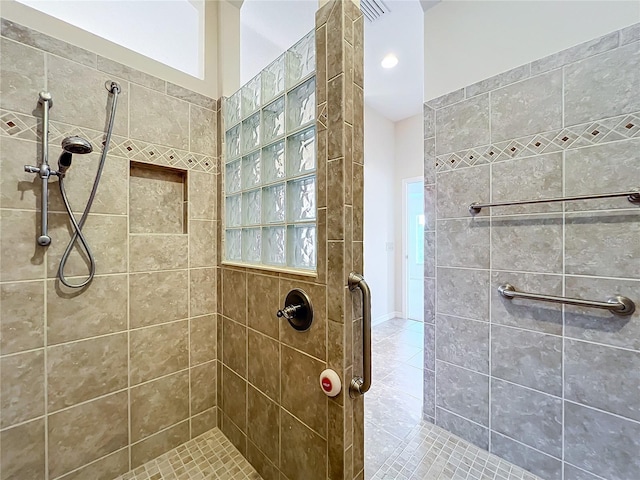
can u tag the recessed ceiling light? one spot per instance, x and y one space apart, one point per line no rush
389 61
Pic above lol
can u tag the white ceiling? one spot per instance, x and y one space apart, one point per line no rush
268 27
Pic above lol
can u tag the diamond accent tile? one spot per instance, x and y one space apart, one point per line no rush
613 129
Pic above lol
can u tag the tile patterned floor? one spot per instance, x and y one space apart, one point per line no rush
431 453
211 456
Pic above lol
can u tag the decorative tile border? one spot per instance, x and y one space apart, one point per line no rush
612 129
27 127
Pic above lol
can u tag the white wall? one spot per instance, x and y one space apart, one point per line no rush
468 41
379 263
408 163
256 52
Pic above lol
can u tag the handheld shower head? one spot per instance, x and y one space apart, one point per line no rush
76 145
71 145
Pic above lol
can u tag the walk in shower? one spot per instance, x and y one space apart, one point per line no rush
201 230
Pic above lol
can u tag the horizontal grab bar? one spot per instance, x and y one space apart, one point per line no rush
617 304
633 196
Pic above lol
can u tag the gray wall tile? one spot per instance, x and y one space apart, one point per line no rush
463 125
603 377
530 417
600 325
527 107
592 93
429 126
527 243
119 70
463 392
463 243
589 433
21 77
528 358
603 243
574 473
429 346
501 80
472 432
471 285
544 466
527 179
150 123
458 188
605 168
463 342
539 316
630 34
573 54
447 99
429 392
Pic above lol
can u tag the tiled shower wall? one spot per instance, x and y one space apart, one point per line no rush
272 408
553 389
96 381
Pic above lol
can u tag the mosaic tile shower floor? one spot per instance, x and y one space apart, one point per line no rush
211 456
431 453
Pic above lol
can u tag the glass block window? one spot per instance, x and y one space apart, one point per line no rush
270 164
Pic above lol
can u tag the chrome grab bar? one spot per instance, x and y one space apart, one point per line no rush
633 196
360 385
616 304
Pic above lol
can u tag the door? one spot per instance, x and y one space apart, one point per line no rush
413 213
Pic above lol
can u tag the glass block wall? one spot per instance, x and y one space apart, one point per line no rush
270 164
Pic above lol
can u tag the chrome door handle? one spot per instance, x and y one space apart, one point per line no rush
360 385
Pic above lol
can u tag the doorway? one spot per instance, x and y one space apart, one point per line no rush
413 248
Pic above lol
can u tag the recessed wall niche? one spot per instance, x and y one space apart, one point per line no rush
157 199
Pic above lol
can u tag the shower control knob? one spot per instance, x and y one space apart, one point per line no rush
330 383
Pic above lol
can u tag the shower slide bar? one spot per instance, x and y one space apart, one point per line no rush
633 196
616 304
360 385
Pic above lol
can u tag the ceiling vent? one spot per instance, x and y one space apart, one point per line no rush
373 9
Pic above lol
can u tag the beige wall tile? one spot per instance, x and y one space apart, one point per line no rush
84 100
308 463
263 428
202 244
159 404
203 339
98 309
202 195
150 122
234 398
264 364
21 387
234 346
86 432
157 297
203 422
106 468
203 387
79 371
202 289
19 189
106 235
234 434
21 316
21 76
111 197
202 130
234 295
259 461
158 350
157 252
156 200
23 451
20 256
300 393
157 444
263 301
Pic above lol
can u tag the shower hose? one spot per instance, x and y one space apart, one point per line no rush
114 89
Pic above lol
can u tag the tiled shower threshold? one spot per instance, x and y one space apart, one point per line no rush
211 456
432 453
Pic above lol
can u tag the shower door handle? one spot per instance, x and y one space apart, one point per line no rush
360 385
